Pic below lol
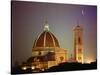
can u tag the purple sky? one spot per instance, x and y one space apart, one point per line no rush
28 19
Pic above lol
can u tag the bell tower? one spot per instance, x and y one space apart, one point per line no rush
78 44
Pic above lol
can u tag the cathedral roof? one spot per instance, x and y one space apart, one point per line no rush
46 39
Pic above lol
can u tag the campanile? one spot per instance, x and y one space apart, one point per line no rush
78 44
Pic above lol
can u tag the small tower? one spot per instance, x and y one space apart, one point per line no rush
78 44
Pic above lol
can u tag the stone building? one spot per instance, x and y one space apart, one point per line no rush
46 51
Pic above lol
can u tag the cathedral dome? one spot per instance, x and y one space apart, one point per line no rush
46 39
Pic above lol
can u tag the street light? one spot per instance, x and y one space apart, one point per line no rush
24 68
33 67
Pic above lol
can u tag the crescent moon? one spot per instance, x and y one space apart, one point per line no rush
82 12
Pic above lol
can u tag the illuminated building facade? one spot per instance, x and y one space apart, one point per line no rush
46 51
78 44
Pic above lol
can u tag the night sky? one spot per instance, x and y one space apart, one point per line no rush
28 22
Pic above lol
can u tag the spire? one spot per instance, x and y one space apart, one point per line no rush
77 23
46 26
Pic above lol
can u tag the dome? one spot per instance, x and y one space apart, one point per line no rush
46 39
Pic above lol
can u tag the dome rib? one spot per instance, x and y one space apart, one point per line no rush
52 38
45 38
